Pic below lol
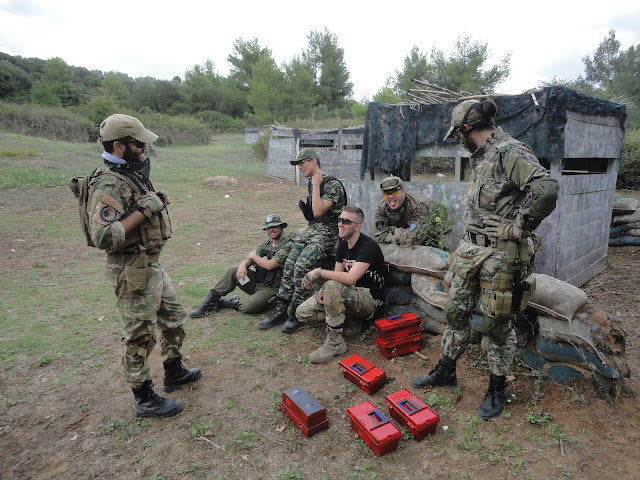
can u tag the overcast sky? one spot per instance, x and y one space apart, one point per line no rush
162 39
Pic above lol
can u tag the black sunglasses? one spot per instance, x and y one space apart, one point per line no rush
346 221
137 143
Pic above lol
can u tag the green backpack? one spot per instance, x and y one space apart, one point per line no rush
80 187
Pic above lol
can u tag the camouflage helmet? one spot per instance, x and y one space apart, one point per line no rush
273 220
305 154
467 112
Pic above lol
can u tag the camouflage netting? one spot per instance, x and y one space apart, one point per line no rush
392 133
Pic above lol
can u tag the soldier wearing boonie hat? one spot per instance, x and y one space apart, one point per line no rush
406 219
259 274
509 194
130 221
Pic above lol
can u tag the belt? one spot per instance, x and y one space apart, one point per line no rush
118 258
485 240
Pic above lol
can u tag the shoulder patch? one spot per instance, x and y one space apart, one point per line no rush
413 226
108 213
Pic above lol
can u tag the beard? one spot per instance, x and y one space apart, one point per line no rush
134 161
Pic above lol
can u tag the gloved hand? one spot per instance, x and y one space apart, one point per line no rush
150 202
164 197
501 228
310 278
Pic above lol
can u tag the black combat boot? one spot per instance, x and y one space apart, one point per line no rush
444 373
175 375
229 302
292 324
495 398
210 304
278 315
150 404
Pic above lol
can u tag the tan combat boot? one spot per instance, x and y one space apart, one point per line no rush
333 345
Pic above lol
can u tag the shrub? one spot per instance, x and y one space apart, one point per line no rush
629 172
177 130
261 147
433 165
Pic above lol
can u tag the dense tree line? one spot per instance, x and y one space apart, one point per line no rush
314 84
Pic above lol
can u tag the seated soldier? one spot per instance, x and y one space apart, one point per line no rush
355 287
261 283
407 219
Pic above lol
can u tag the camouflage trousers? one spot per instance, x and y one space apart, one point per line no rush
146 299
260 296
307 253
338 301
471 266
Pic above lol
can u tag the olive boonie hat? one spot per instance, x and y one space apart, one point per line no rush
119 126
273 220
460 111
304 154
391 183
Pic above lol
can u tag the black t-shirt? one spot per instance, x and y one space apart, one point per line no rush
365 250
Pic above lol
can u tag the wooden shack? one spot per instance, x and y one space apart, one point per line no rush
578 138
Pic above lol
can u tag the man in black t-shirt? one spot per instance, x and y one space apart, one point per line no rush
355 287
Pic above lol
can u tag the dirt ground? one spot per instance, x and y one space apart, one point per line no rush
67 419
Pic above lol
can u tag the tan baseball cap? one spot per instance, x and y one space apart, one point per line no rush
460 111
120 125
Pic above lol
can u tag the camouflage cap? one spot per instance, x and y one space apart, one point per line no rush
274 220
305 154
459 112
391 183
120 125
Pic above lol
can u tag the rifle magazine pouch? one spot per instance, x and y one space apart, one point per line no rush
497 303
528 289
502 282
137 274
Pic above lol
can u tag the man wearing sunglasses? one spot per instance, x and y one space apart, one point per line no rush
129 220
261 282
355 287
405 219
324 202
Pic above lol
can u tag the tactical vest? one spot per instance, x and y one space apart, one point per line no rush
326 217
270 278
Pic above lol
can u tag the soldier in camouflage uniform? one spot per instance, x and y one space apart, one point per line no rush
355 287
324 204
131 222
405 219
509 195
261 282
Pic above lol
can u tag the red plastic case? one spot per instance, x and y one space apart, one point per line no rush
400 346
397 326
412 413
363 373
374 428
307 414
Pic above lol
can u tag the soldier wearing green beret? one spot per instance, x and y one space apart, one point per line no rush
258 274
130 220
510 193
323 206
406 219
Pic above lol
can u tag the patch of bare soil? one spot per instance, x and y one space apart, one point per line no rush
66 419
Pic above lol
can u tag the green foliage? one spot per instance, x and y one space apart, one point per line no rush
261 147
14 81
55 87
246 54
197 429
629 172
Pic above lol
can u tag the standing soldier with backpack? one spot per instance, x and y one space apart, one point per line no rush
129 220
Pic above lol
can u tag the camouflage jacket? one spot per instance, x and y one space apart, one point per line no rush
503 169
415 225
110 200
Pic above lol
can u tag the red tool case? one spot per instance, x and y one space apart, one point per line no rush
307 414
378 432
412 413
401 346
363 373
397 326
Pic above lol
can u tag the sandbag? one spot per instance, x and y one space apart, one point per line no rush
623 227
607 365
557 298
399 295
396 278
629 218
590 328
429 289
624 240
429 325
416 259
433 312
624 206
634 232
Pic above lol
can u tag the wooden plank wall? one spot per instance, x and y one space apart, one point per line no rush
584 216
282 148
